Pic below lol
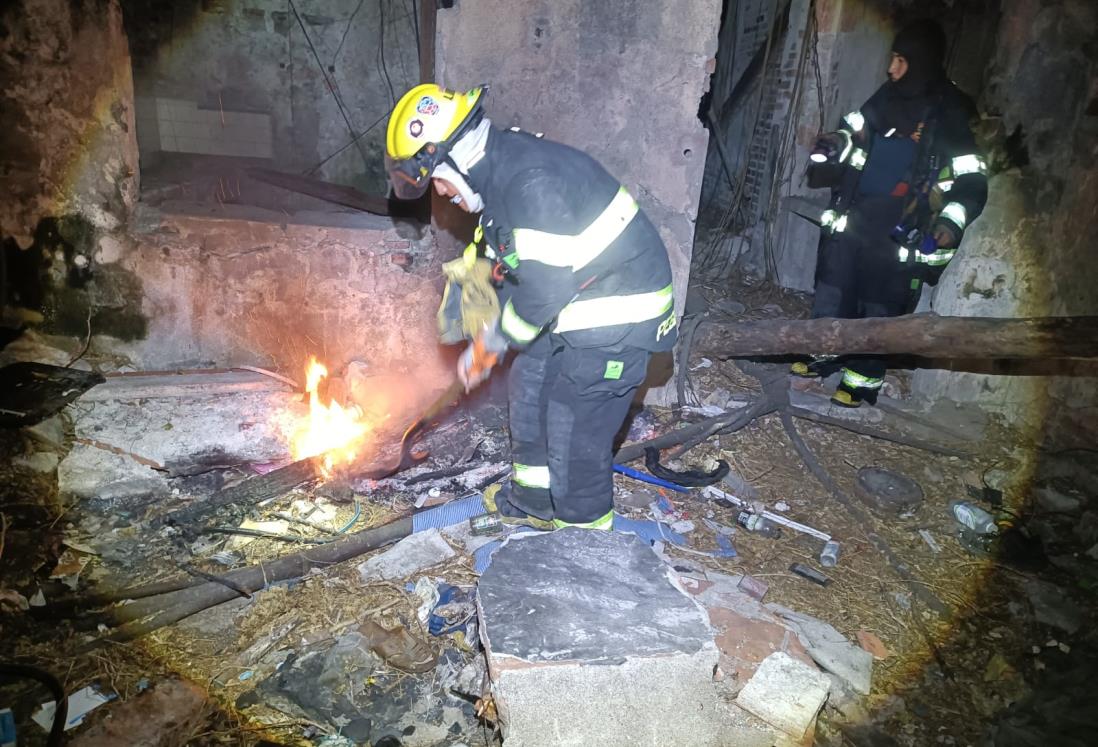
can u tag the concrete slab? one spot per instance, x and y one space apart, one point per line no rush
411 555
786 693
590 641
830 649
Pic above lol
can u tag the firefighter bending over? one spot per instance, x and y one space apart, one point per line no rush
584 293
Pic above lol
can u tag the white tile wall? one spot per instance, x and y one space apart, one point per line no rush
185 128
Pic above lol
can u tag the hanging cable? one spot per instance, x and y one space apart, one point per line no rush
331 86
381 50
346 29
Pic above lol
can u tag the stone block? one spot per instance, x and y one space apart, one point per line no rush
786 693
590 641
830 649
411 555
87 472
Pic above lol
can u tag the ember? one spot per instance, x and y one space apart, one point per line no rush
331 430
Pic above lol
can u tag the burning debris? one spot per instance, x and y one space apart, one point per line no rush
331 431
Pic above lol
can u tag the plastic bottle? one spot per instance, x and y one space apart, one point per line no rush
758 524
973 517
829 556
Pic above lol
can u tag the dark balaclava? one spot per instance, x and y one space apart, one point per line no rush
923 44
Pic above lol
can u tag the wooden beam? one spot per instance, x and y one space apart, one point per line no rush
428 14
924 335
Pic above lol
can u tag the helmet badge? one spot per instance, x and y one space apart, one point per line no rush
428 106
415 128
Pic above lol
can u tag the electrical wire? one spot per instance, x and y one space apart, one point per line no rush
331 85
381 50
347 29
346 145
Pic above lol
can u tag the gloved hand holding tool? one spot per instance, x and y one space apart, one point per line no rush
481 356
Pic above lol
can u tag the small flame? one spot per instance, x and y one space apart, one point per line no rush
330 430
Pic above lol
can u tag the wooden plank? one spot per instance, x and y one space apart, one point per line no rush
189 384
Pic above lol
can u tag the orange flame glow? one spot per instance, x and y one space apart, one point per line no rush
330 430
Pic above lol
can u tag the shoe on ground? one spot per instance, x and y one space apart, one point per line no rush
803 370
496 501
843 398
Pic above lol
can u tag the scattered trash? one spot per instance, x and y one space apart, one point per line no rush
829 556
725 549
246 675
811 574
452 612
398 648
412 554
236 542
486 524
686 478
739 486
753 587
38 599
703 363
69 567
932 543
888 491
873 644
733 501
80 704
758 524
974 518
621 469
426 590
781 506
683 526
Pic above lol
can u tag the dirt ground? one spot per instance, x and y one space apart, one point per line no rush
995 670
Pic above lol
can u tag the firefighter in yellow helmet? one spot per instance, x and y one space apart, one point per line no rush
585 292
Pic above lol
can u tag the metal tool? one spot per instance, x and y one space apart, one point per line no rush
482 359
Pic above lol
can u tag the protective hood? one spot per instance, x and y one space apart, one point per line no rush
464 154
923 44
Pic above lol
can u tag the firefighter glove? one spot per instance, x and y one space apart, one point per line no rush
480 357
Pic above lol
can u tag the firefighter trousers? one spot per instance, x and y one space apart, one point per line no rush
566 406
859 275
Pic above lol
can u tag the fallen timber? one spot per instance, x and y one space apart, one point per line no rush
923 335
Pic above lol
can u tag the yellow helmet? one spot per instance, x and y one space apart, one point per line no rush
424 124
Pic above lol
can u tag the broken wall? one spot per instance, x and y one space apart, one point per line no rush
621 81
292 82
1031 252
69 160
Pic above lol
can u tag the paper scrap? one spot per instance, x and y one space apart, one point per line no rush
81 703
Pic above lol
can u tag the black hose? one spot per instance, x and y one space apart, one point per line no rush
61 713
690 478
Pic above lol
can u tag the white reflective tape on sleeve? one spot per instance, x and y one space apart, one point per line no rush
848 145
840 224
858 158
856 121
904 253
610 311
969 164
577 251
827 218
955 212
946 185
515 327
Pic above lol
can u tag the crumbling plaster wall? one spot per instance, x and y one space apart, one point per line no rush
253 56
85 261
621 81
242 290
67 144
1032 251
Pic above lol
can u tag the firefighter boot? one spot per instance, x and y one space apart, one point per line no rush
497 500
815 367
